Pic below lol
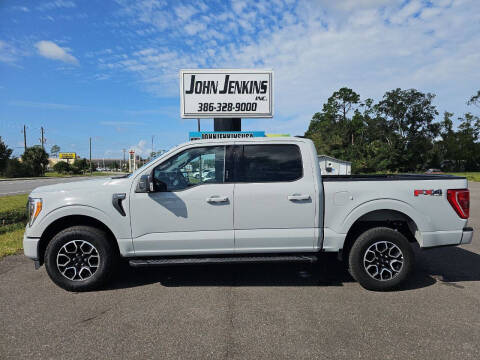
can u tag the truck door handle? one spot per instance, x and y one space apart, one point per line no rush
217 199
298 197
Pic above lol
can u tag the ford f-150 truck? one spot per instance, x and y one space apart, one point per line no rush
243 201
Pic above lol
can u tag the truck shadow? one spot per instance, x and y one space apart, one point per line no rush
447 266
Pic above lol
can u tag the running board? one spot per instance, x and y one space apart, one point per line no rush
222 260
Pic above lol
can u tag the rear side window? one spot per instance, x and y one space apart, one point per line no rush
269 163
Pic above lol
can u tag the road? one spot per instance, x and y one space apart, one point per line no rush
13 187
249 312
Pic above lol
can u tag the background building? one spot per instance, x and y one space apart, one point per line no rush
331 166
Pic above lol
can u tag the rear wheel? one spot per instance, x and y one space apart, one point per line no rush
381 259
80 258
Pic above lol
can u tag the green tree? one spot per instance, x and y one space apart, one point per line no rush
331 129
410 117
475 99
62 167
468 136
80 165
396 134
55 150
5 153
36 159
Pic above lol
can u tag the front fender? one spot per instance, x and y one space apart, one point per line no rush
37 229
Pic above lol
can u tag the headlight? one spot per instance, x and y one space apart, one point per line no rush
34 208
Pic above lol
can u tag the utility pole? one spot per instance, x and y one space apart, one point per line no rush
151 154
123 164
43 140
25 137
90 156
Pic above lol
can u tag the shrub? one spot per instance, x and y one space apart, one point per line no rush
15 168
62 167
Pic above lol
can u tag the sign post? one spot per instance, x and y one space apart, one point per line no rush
227 96
131 161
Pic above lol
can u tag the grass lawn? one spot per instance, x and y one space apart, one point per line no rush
95 173
471 176
11 241
13 202
12 208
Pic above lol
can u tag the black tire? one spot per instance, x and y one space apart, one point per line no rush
84 237
367 252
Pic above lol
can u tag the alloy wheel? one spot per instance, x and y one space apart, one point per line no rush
383 260
78 260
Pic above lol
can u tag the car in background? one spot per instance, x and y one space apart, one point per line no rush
433 171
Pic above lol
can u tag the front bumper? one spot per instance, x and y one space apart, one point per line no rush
467 235
30 247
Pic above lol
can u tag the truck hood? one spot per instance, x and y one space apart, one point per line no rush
84 186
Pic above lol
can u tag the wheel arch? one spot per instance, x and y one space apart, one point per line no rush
390 218
72 220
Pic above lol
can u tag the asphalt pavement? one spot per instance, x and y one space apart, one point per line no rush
14 187
249 312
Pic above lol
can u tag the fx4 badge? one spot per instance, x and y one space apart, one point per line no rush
428 192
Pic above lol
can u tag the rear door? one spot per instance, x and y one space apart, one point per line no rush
274 198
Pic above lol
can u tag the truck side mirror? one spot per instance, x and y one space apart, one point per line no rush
144 184
160 186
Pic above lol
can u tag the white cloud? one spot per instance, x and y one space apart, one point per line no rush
8 53
50 50
194 28
43 105
141 148
57 4
21 8
185 12
314 47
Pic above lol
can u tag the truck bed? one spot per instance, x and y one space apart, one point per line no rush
350 198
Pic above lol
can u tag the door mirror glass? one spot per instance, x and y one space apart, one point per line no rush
159 186
143 185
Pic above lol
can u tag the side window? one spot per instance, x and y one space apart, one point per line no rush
270 163
195 166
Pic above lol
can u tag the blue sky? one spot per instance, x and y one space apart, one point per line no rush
109 69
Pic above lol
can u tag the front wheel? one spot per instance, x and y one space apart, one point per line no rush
80 258
381 259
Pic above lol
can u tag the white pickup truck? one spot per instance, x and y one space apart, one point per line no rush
243 201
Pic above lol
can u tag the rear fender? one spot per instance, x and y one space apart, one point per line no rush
421 221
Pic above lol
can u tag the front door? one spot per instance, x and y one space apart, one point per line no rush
274 203
195 213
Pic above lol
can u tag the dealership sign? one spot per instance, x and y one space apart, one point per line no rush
65 155
216 93
212 135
